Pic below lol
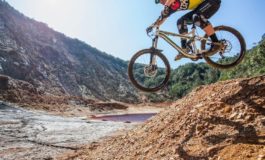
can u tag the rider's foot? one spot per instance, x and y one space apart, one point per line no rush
180 55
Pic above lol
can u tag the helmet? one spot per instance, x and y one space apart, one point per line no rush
157 1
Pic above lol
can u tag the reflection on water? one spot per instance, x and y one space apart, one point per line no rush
127 117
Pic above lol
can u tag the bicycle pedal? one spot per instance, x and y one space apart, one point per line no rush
179 57
199 56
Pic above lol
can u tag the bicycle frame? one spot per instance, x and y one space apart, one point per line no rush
191 36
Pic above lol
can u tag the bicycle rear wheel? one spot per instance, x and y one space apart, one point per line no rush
147 76
233 50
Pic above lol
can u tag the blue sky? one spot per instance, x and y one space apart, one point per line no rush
117 27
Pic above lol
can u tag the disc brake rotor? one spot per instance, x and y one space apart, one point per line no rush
150 71
227 46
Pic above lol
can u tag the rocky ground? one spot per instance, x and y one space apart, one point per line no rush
28 134
27 96
45 125
222 121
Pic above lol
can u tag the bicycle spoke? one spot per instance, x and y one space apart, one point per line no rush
149 71
232 50
149 75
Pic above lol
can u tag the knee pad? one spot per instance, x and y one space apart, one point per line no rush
196 19
182 26
200 21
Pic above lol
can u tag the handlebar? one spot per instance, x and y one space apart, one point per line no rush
154 25
150 29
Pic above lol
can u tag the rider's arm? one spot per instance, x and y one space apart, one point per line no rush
164 15
160 21
169 2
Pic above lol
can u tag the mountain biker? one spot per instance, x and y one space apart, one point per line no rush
201 11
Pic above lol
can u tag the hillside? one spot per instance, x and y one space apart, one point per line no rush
55 64
253 64
225 120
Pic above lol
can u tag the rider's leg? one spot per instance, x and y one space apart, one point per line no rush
209 30
205 11
202 22
183 29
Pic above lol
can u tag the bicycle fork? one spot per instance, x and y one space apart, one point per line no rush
154 48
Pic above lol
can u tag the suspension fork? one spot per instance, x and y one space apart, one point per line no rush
154 48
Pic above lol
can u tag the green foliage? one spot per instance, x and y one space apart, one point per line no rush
252 65
183 80
263 37
187 77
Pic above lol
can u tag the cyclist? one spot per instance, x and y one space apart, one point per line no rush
201 11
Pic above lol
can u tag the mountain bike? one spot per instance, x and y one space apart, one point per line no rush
149 69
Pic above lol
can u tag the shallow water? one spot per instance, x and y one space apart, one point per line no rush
127 117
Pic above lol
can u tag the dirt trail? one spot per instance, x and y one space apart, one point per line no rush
222 121
37 135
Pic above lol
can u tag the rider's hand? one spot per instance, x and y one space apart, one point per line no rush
149 29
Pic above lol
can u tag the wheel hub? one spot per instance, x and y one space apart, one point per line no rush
226 46
150 71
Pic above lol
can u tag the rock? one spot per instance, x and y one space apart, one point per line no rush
261 157
227 109
233 115
37 135
3 82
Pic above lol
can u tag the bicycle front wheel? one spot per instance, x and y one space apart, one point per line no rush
233 51
149 70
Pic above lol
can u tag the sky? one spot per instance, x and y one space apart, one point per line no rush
117 27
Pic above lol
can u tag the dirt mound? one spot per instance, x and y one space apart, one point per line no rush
221 121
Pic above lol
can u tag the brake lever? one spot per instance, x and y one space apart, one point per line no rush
151 32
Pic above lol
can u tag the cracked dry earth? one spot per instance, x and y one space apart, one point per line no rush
223 121
38 135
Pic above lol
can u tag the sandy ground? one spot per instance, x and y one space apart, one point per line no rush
37 135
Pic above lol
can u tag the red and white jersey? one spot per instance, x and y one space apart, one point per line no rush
182 4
